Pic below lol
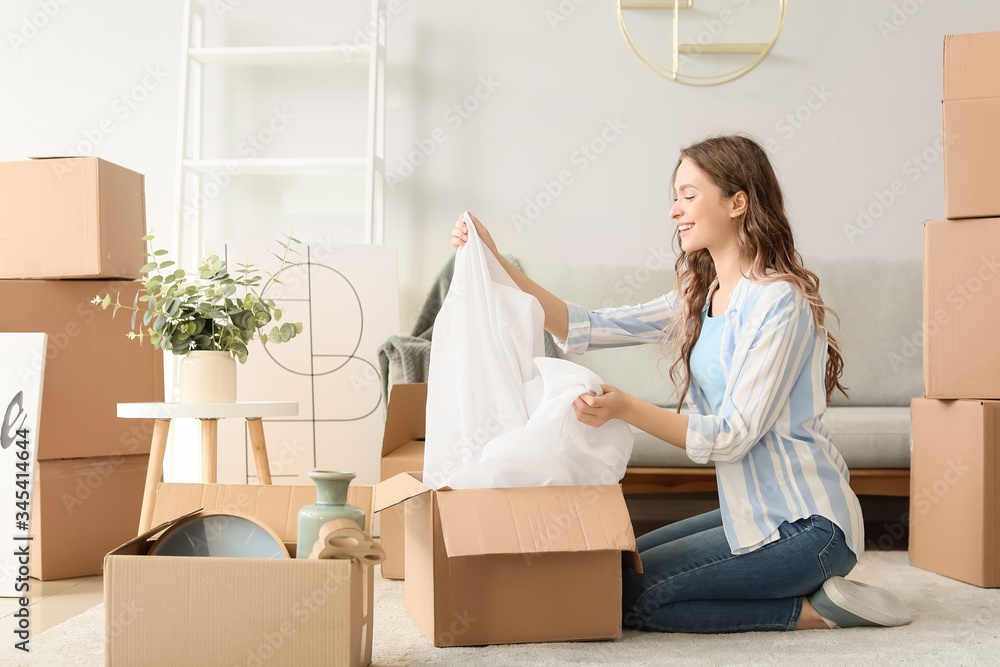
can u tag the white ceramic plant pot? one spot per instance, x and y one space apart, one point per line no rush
208 376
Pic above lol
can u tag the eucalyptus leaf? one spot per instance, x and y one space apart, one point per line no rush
146 268
240 350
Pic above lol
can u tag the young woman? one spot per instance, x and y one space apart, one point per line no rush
746 323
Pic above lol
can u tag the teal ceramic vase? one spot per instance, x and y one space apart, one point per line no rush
331 503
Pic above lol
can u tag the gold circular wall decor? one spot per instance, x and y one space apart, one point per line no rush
673 73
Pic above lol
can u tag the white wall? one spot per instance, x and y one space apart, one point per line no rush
63 78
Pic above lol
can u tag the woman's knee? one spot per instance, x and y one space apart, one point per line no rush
679 530
837 559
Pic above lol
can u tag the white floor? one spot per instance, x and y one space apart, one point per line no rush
52 602
953 624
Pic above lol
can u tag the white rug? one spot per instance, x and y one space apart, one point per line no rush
953 624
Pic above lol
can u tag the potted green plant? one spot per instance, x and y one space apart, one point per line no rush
210 320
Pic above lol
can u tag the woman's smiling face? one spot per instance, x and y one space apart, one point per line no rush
704 217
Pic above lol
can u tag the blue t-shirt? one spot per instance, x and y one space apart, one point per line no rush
706 367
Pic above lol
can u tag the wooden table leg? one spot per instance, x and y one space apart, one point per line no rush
161 427
209 450
256 428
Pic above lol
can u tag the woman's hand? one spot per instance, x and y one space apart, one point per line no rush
596 410
460 234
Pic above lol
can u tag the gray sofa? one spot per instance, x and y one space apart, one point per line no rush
879 303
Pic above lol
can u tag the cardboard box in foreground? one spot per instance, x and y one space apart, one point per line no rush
402 451
960 316
82 509
954 497
970 118
502 566
78 217
237 611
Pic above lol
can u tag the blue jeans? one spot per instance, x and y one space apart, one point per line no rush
692 582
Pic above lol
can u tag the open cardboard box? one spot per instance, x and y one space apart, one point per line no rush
500 566
164 610
402 451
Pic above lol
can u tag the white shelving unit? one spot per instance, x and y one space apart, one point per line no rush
192 167
280 166
279 55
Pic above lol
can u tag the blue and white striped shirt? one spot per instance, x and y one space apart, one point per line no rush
774 459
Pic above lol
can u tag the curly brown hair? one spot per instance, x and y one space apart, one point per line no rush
738 164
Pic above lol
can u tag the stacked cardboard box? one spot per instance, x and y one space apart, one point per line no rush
970 114
955 463
79 218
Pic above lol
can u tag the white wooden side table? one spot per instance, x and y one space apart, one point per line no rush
209 414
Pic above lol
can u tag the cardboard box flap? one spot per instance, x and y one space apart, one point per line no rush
277 506
476 522
397 489
406 417
971 66
137 545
